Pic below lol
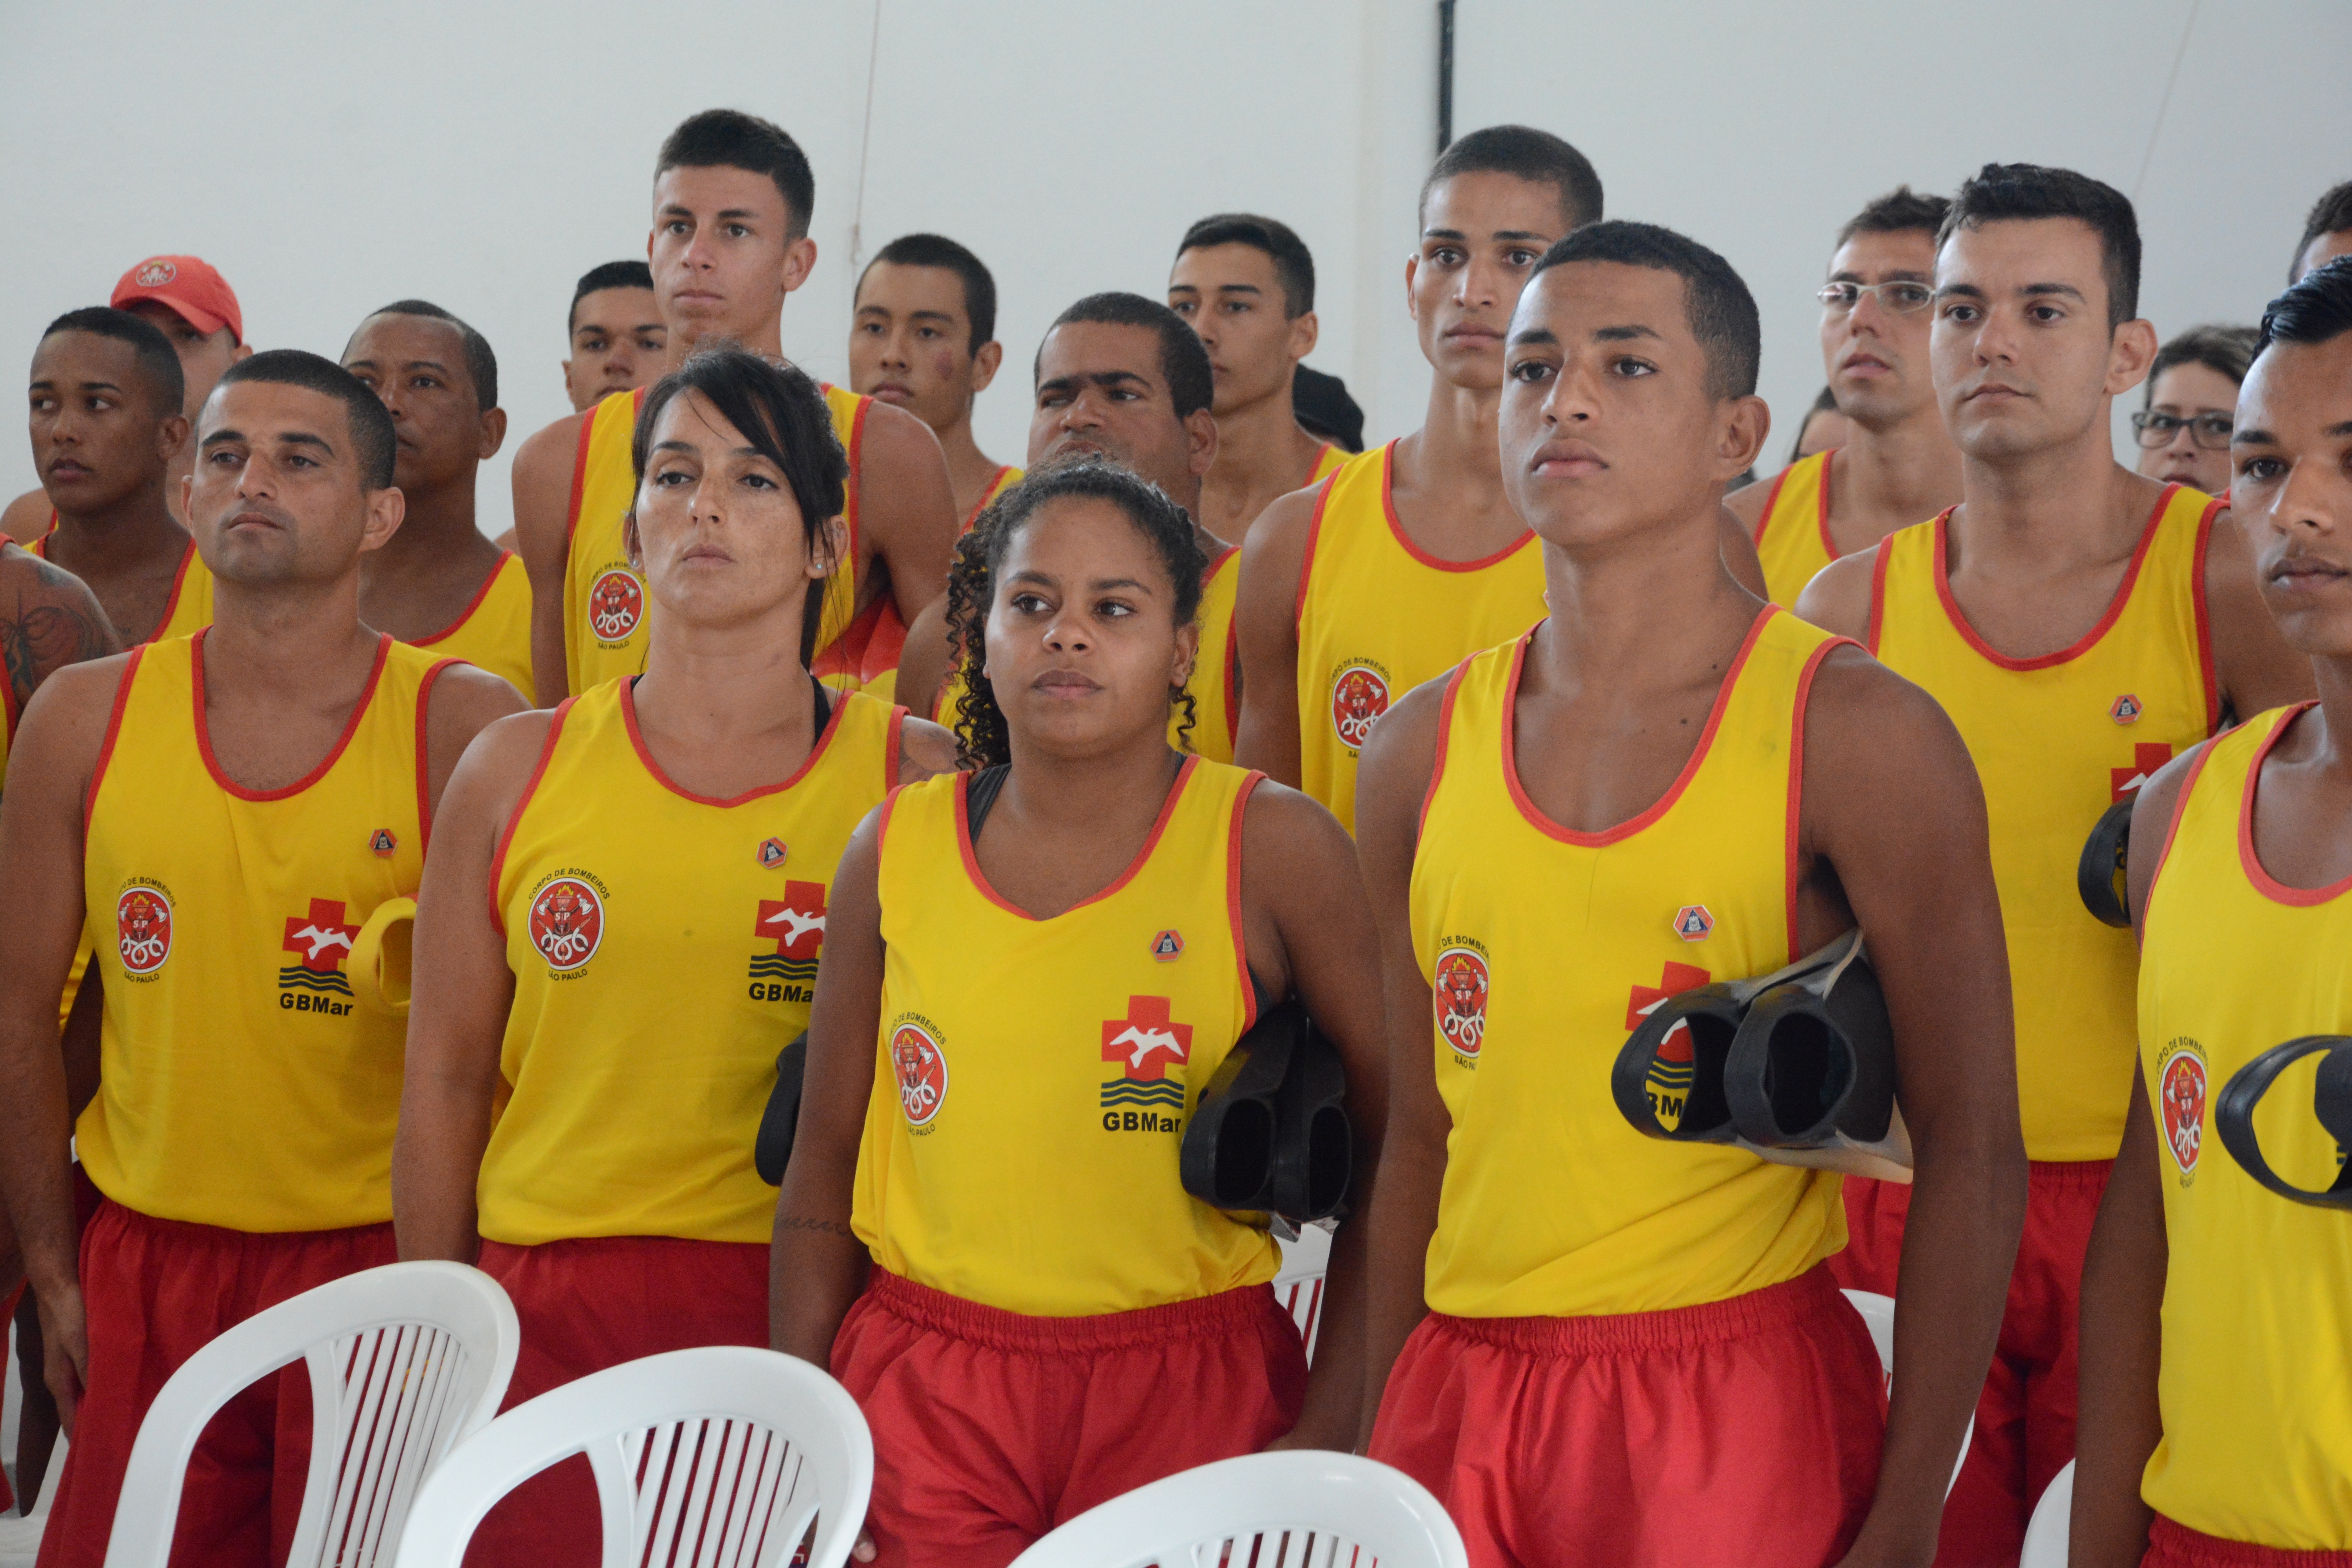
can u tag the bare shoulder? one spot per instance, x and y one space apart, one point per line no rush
1869 728
32 580
1749 502
26 517
925 751
543 464
1851 687
1290 831
896 440
506 751
470 698
1273 553
1838 598
2151 823
1406 735
63 728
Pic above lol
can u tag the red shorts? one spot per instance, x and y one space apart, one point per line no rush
2171 1545
1647 1437
155 1292
2025 1418
991 1427
595 1302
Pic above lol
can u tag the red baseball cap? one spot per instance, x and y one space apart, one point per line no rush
188 284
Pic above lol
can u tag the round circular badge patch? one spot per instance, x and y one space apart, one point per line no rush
1359 696
616 602
1461 993
2181 1110
155 274
142 930
921 1071
567 922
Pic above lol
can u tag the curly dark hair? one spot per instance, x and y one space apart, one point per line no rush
981 739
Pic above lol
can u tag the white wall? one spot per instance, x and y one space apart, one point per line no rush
330 158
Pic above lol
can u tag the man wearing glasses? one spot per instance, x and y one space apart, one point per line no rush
1899 466
2081 625
2183 427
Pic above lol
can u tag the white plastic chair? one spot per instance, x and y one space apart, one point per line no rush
2053 1519
20 1539
1299 1508
714 1455
1878 1313
405 1362
1299 1284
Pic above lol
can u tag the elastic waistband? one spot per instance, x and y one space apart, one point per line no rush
2175 1545
2067 1175
222 1236
1768 1311
1202 1318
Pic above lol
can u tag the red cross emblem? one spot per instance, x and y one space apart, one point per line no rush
2147 759
322 941
1146 1042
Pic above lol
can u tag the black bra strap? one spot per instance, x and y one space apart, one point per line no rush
979 795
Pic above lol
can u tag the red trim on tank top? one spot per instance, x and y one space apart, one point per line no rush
1306 559
425 755
2204 753
1234 679
1233 898
113 732
1772 505
467 613
2083 644
579 472
894 736
179 583
2270 887
2205 668
1142 856
1404 540
1445 735
1796 773
350 725
644 754
987 494
1822 515
1657 808
853 489
1322 450
1885 548
529 788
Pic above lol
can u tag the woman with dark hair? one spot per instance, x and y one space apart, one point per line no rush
1034 970
592 1043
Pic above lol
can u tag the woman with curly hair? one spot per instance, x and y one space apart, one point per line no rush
1031 972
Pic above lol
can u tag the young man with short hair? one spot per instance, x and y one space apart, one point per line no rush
923 338
1647 1362
1896 466
615 332
733 195
439 583
1409 557
2327 232
2081 625
241 1135
1246 284
2183 425
107 428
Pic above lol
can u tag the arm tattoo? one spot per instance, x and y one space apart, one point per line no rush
40 639
801 1222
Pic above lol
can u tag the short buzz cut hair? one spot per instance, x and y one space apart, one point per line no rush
1294 264
152 352
2316 308
481 364
2331 214
2225 351
1184 362
1534 156
731 138
1716 302
2000 192
937 250
371 422
1899 211
610 275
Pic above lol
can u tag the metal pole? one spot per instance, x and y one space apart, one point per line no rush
1445 74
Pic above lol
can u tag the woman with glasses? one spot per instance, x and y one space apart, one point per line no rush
2192 388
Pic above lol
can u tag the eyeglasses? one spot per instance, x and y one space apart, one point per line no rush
1902 298
2210 432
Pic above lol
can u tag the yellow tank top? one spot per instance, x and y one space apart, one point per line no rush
2057 740
1006 478
188 611
2257 1434
241 1083
1032 1077
1793 541
1378 616
638 1070
1552 1205
1329 460
605 602
494 633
